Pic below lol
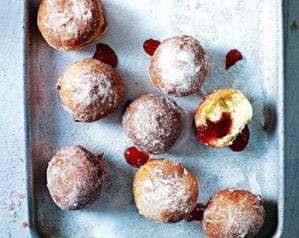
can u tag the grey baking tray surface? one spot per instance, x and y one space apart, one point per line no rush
252 26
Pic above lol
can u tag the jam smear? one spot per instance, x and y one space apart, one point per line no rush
213 130
150 46
197 213
135 157
241 141
105 54
232 57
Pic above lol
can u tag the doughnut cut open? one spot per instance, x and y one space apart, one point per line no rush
221 117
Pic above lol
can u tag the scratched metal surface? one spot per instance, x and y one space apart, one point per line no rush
291 99
254 27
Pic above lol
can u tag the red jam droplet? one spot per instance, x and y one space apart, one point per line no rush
197 213
135 157
213 130
150 46
105 54
241 141
25 224
232 57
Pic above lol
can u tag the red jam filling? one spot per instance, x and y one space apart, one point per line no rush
135 157
241 141
232 57
213 130
197 213
150 46
105 54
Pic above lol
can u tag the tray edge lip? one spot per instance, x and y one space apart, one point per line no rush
280 53
30 194
281 122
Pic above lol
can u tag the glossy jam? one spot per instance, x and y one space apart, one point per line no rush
232 57
197 213
213 130
241 141
150 46
105 54
135 157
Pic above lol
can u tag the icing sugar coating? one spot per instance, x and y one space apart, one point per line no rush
153 123
164 191
71 24
233 213
90 90
75 177
179 66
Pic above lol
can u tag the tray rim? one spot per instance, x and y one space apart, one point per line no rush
280 123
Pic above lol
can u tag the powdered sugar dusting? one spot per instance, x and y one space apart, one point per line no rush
75 177
178 70
163 194
71 24
64 18
182 65
86 86
234 213
211 22
153 123
90 89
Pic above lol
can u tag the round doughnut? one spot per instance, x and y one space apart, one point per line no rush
164 191
75 177
232 214
70 25
179 66
153 123
90 90
221 117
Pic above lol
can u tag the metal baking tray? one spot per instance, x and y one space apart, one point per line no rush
252 26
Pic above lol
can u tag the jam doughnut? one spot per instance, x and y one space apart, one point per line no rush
75 177
153 123
221 117
90 90
232 214
164 191
179 66
70 25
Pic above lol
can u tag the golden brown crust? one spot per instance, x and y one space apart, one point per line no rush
224 100
70 25
233 214
75 177
90 90
179 66
164 191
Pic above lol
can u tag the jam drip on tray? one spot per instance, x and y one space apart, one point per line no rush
135 157
105 54
150 46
